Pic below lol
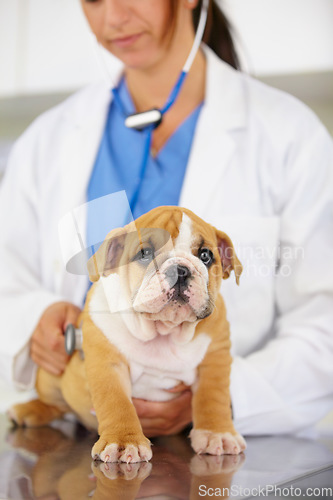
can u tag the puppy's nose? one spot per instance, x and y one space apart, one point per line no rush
183 273
178 274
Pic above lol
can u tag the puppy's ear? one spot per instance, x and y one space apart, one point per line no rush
228 256
107 257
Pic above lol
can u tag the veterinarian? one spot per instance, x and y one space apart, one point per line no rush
254 162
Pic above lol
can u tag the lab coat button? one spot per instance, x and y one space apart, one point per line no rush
57 266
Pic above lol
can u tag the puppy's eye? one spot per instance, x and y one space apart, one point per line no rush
145 255
206 256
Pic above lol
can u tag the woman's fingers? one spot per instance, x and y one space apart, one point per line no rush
181 387
47 348
49 353
50 364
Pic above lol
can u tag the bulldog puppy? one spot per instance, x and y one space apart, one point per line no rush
153 318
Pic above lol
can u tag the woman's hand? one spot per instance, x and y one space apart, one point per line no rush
47 347
167 417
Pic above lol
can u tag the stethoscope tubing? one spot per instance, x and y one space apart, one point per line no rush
140 121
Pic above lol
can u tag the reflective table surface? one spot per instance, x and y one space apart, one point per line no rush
53 463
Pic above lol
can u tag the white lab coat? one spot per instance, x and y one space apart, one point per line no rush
261 169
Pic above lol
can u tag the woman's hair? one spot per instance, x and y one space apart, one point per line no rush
218 33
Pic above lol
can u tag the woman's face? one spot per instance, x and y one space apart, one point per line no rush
137 32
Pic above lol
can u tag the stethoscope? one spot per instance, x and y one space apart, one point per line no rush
145 121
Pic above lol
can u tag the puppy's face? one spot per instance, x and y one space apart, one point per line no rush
170 264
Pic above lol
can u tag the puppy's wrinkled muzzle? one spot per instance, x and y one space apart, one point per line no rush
179 285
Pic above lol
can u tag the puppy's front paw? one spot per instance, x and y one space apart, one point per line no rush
129 450
213 443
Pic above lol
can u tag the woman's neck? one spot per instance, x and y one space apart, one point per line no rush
152 88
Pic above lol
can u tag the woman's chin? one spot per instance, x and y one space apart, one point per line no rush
143 59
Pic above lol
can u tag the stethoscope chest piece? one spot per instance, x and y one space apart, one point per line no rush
140 121
73 339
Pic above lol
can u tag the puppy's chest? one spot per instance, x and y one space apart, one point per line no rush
157 364
160 364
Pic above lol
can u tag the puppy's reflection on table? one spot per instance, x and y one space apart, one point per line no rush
58 461
55 463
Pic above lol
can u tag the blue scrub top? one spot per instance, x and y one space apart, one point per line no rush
118 164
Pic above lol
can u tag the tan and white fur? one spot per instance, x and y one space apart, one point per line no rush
153 318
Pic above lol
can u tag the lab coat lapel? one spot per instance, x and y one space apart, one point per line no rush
210 155
83 135
83 140
213 144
